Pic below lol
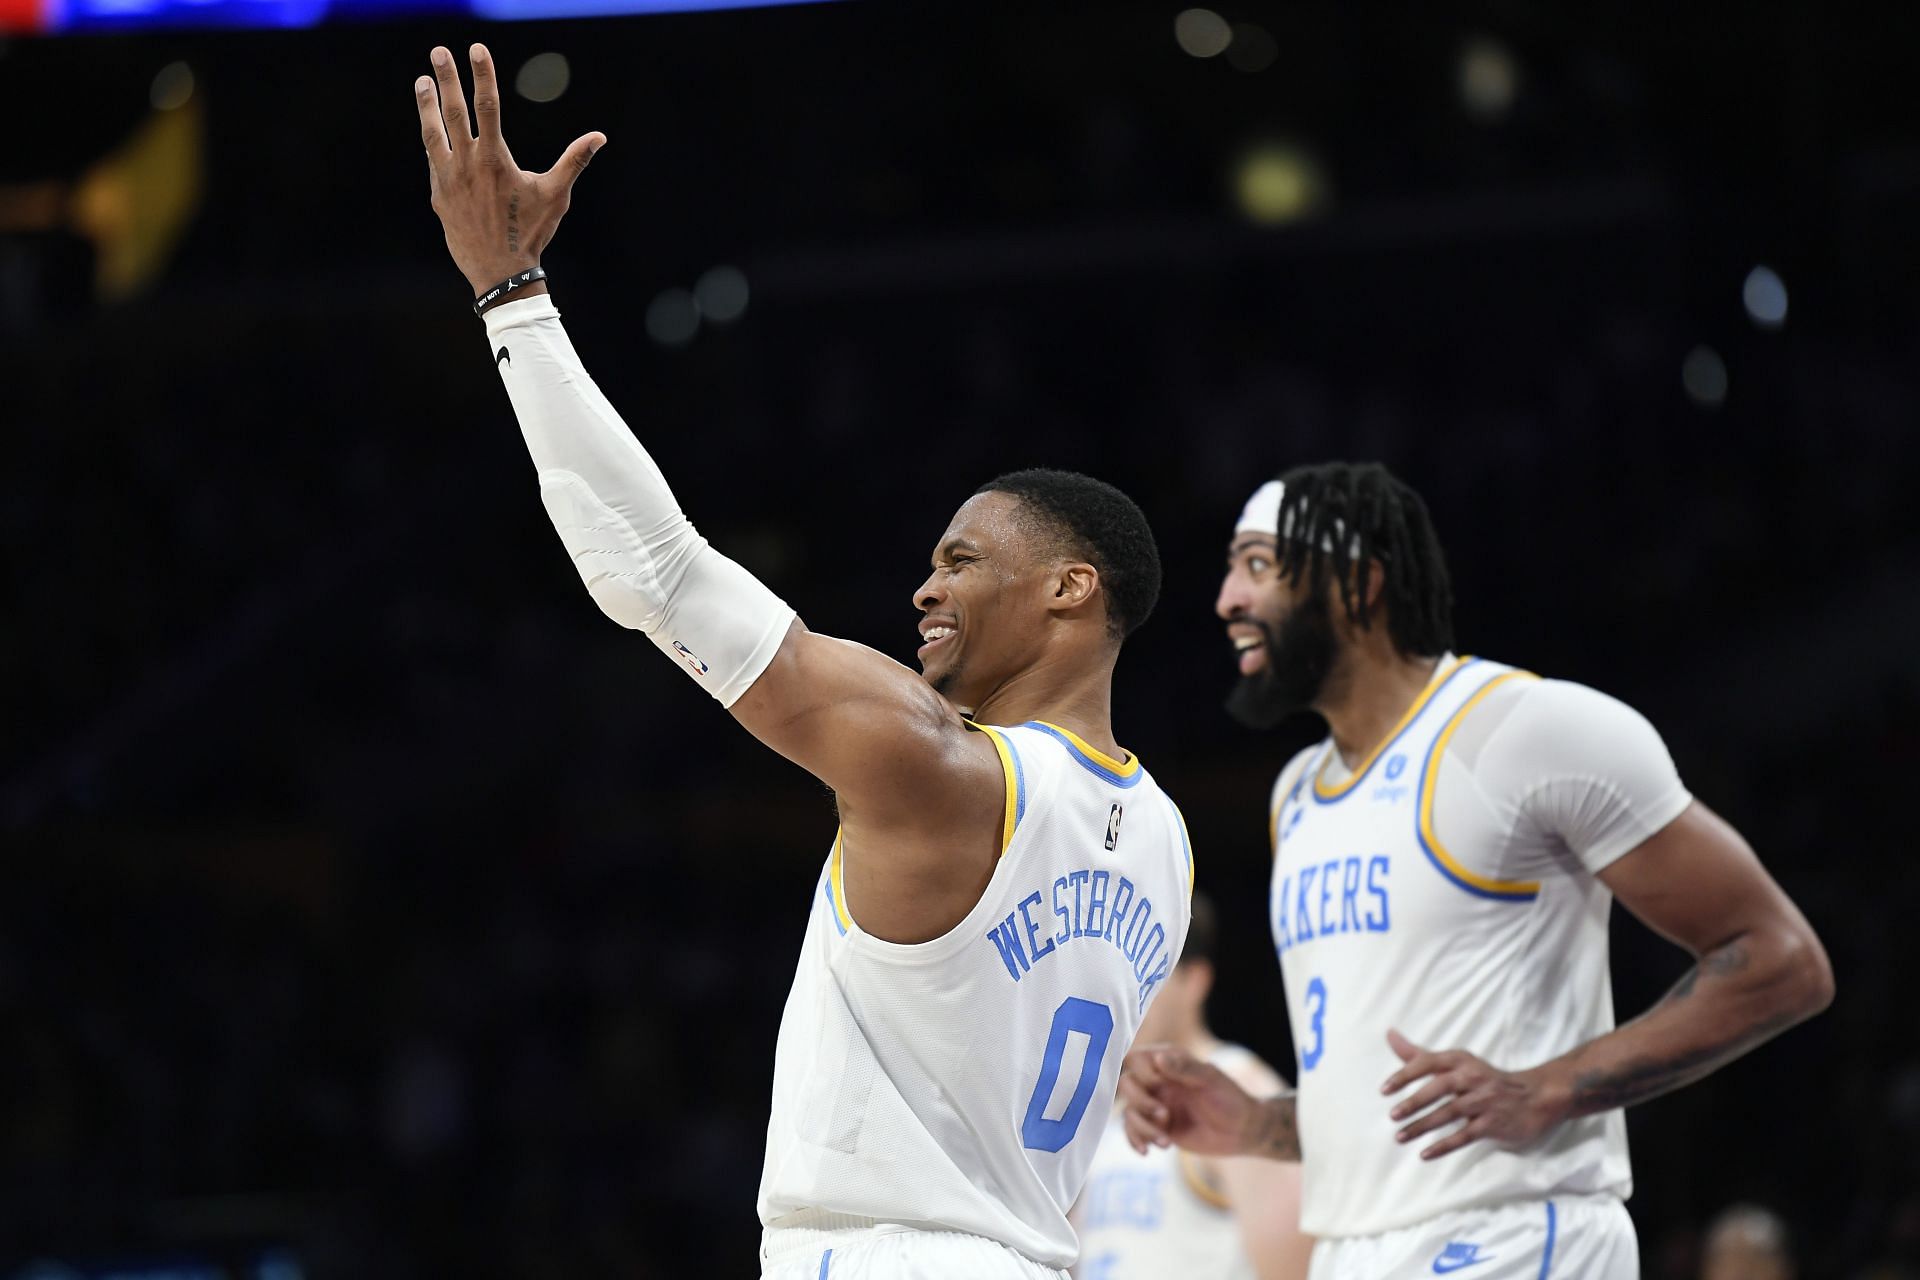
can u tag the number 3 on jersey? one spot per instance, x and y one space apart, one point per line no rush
1095 1022
1316 1025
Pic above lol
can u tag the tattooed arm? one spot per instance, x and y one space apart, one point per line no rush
1758 969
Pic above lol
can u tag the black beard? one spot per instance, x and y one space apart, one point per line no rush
1299 660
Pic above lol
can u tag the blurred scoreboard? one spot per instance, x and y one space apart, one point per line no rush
51 17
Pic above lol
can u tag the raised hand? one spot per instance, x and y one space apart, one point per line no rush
497 216
1511 1109
1172 1098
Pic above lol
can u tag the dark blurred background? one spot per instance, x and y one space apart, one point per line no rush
374 907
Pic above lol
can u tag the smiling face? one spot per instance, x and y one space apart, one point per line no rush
1282 632
983 606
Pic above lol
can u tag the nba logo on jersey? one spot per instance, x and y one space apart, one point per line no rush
1113 827
693 662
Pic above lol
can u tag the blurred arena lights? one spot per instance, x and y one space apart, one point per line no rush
1765 296
673 318
1202 32
1253 50
172 87
1489 78
1704 375
543 77
721 294
1276 182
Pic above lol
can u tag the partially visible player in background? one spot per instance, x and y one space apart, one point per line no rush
1170 1213
1445 863
1007 892
1747 1242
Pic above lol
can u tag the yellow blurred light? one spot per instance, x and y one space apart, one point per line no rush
1278 182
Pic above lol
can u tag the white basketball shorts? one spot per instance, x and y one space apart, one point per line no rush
1566 1238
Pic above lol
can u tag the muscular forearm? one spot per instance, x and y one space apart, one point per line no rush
1741 993
1272 1131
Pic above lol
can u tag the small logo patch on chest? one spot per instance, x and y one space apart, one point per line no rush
1113 827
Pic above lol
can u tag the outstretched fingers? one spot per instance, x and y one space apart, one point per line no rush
453 100
486 104
433 133
573 162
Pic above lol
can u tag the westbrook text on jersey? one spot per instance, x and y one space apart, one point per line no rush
1342 895
1080 900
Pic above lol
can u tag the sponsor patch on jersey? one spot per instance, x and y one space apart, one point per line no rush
1387 792
692 660
1458 1256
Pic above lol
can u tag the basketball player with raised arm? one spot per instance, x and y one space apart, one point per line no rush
1444 865
1007 893
1172 1213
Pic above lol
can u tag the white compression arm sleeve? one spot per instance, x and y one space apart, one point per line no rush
644 563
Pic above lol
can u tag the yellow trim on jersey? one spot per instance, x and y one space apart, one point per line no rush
1429 784
1127 770
1198 1185
837 882
1011 773
1440 677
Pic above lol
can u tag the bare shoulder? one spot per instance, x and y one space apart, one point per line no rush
880 736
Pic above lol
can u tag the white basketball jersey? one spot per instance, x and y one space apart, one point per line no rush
963 1084
1150 1217
1412 894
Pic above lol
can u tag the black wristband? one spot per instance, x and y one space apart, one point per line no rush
504 290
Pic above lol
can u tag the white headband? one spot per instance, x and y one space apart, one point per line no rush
1262 515
1262 512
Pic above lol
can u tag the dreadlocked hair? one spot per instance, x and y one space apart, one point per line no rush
1336 517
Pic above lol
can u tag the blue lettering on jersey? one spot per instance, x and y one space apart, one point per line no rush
1129 924
1377 868
1321 900
1096 902
1122 899
1127 1198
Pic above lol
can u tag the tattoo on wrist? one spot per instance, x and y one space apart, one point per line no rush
1646 1078
513 223
1278 1135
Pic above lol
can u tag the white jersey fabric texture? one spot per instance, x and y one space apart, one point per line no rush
962 1085
1565 1238
1149 1217
1446 888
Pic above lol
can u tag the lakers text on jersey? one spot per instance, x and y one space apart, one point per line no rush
1446 887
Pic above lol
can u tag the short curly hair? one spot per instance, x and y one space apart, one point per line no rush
1097 523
